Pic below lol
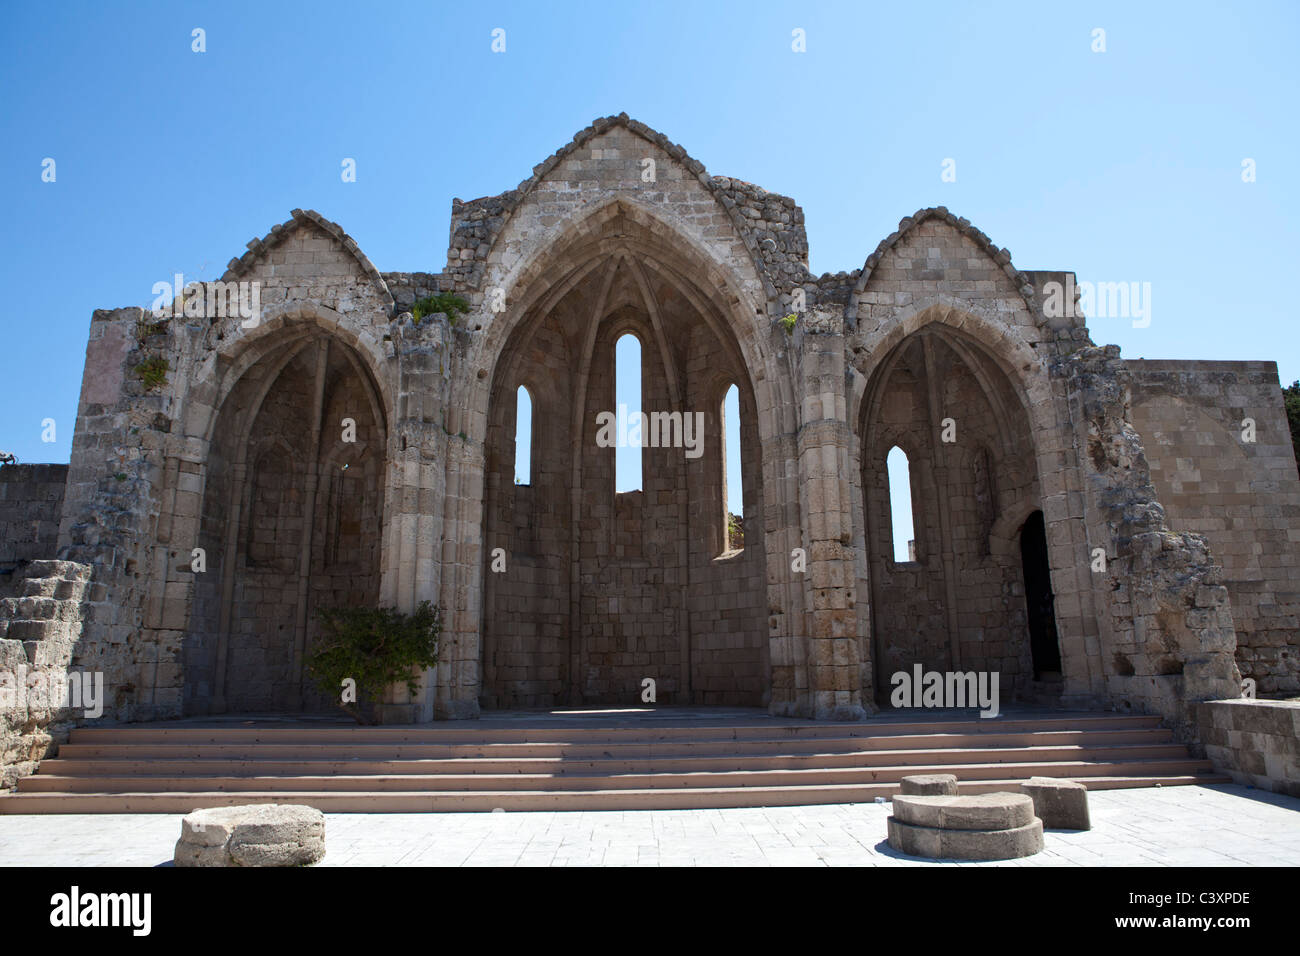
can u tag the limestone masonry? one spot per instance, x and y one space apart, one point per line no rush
1102 533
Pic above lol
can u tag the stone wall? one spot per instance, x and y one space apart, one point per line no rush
1242 495
31 504
1167 635
727 599
630 568
1256 742
526 659
407 288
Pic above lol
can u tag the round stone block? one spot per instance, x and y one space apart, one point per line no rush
929 784
263 834
937 844
982 811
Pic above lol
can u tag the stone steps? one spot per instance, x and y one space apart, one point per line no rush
159 780
535 732
523 766
334 801
50 605
258 765
503 750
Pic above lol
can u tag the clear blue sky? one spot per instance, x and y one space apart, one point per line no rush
1121 166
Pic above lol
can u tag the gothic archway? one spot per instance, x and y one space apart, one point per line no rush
291 521
959 603
588 591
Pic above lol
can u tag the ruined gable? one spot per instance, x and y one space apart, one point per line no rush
309 257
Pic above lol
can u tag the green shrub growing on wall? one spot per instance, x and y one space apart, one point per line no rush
788 322
152 372
446 302
735 533
376 648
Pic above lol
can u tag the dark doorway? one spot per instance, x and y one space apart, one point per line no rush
1039 600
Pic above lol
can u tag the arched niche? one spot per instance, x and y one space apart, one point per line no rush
291 521
943 398
604 589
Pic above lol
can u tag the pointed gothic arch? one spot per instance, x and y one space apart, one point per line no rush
632 566
962 604
291 518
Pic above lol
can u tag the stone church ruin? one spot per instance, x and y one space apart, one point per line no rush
1092 528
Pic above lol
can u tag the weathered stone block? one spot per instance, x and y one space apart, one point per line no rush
929 784
266 834
1060 804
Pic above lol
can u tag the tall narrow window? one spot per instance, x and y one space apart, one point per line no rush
733 492
900 505
627 398
523 437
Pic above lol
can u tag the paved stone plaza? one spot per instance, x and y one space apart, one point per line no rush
1225 825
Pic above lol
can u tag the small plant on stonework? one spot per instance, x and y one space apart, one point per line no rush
144 328
152 372
376 648
788 323
447 303
120 476
735 533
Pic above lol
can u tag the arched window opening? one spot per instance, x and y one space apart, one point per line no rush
733 485
900 505
523 437
627 398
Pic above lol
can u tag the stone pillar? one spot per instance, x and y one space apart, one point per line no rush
415 505
787 644
823 445
457 690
